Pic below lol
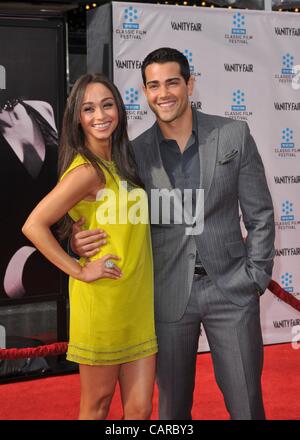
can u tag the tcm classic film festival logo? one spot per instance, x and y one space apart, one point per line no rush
238 34
238 109
195 72
129 28
287 148
189 55
288 71
287 282
287 217
132 104
289 74
283 32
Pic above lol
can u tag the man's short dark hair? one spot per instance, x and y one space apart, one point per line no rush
166 55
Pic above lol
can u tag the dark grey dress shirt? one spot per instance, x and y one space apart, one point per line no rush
183 168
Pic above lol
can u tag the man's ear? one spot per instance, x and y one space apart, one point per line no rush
191 84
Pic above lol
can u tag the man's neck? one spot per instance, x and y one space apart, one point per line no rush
179 130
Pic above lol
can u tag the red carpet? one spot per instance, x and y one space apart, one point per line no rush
57 398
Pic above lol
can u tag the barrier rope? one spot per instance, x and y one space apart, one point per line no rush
41 351
278 291
61 347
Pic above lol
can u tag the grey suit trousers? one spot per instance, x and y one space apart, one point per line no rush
235 340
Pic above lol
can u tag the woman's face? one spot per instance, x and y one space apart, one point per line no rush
98 115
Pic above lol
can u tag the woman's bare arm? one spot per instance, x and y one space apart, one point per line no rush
80 183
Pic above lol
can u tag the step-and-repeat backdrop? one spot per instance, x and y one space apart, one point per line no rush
246 67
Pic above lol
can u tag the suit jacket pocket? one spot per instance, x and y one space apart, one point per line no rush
236 249
228 157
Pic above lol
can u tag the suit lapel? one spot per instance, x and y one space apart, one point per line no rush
208 146
208 137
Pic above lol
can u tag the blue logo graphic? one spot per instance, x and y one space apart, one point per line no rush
287 209
189 55
286 282
287 138
238 100
287 64
130 16
238 23
131 99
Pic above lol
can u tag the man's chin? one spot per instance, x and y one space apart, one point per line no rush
166 118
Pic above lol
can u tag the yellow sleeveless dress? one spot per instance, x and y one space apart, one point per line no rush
112 321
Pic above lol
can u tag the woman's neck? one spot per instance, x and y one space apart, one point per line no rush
101 150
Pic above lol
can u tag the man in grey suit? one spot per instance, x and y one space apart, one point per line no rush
214 277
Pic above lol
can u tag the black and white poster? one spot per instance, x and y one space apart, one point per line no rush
32 96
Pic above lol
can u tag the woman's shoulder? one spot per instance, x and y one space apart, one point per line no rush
77 162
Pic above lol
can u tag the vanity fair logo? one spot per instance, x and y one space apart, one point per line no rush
287 252
186 26
287 106
284 323
197 105
128 64
238 68
287 31
286 179
2 78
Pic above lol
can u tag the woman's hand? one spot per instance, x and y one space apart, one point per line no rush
94 270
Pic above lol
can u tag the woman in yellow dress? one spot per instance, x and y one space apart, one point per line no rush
112 335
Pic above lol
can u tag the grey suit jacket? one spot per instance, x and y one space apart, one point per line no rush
231 174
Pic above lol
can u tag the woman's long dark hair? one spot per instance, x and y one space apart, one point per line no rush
72 140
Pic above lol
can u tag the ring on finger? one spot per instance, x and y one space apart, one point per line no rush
109 264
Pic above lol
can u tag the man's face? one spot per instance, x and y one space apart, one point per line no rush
166 91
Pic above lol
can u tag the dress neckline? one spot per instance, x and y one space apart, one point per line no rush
110 164
107 161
